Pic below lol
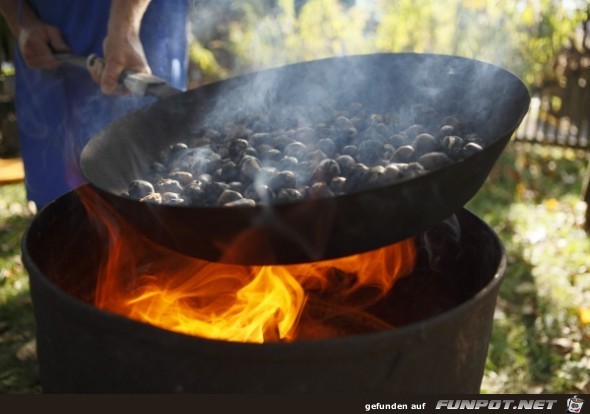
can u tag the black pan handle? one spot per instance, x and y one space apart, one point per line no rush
140 84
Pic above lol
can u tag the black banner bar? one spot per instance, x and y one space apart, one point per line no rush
295 403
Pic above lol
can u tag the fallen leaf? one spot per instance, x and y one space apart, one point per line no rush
564 343
27 352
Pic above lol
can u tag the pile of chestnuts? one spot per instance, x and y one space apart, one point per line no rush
301 153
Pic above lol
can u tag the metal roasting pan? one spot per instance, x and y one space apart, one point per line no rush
492 100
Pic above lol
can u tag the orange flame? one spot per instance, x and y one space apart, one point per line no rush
148 283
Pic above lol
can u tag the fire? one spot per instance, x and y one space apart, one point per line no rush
217 301
150 284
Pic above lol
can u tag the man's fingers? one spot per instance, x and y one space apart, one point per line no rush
40 56
56 44
38 45
106 75
109 82
95 67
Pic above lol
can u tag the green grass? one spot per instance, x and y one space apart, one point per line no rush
533 199
18 369
539 344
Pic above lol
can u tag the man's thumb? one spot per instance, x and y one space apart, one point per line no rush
56 41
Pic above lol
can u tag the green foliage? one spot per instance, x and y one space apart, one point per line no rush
18 369
208 65
539 343
522 36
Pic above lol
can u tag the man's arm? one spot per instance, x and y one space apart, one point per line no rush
37 40
122 47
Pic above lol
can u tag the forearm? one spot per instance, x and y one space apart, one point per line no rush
125 17
17 19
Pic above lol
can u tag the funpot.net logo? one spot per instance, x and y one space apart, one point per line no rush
574 404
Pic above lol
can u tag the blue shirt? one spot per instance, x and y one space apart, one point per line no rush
59 110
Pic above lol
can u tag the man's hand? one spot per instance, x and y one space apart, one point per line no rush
122 46
37 40
120 54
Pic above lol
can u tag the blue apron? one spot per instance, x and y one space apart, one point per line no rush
59 110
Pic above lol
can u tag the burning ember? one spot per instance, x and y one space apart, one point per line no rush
148 283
